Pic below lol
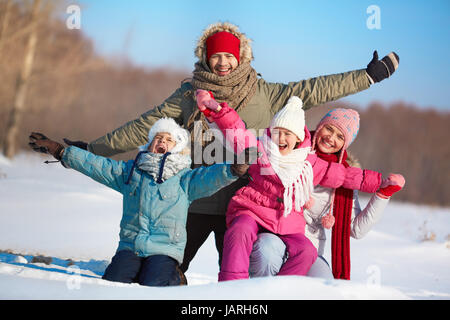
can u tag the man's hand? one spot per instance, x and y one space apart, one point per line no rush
40 143
243 161
379 70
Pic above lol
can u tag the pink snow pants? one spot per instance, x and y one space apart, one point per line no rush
238 244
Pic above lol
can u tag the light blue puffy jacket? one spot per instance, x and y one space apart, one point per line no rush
154 215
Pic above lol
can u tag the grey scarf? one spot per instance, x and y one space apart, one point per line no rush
163 166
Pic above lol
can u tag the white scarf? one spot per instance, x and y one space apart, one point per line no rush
174 163
294 171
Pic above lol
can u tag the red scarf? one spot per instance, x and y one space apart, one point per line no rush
342 212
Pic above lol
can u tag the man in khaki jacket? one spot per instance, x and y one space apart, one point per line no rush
223 68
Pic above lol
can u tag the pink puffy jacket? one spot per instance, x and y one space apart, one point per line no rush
262 198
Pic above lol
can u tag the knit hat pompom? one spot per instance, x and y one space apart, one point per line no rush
309 203
291 117
328 221
180 135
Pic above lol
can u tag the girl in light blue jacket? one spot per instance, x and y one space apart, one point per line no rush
157 187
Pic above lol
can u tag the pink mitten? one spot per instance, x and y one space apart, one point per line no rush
391 185
205 100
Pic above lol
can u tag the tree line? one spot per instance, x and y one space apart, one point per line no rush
73 92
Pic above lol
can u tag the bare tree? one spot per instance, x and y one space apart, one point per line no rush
12 127
5 22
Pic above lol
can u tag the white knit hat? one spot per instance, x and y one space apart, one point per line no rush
180 135
291 117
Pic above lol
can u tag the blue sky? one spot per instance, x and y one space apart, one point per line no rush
292 40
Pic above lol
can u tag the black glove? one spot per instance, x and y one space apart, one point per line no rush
79 144
242 162
381 69
40 143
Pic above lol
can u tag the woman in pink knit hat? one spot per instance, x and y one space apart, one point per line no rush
281 184
337 208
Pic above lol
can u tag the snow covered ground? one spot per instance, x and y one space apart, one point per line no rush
49 211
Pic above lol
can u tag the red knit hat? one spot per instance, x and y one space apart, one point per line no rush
222 42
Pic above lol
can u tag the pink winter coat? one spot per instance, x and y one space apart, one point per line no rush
262 198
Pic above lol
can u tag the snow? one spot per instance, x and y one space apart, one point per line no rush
49 211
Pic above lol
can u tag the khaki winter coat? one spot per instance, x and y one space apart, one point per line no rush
267 100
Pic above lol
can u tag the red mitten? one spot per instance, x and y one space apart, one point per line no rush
391 185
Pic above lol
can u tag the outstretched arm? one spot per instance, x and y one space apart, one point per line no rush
322 89
205 181
103 170
108 172
135 133
364 219
228 121
335 175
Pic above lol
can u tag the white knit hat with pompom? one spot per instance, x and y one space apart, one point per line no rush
180 135
291 117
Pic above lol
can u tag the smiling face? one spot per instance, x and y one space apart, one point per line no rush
222 63
285 139
329 139
162 143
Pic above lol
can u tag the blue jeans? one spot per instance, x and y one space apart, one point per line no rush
157 270
269 255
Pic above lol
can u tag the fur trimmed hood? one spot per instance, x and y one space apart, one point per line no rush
352 161
246 54
180 135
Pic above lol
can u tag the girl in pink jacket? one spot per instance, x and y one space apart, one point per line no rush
281 182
